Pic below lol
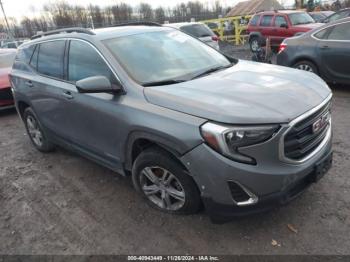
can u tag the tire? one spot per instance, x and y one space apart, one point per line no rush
306 66
35 131
254 43
164 183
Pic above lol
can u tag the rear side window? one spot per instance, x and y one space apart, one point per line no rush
255 20
84 61
197 30
50 59
266 20
340 32
322 34
25 54
280 20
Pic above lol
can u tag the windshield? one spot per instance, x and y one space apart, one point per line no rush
6 59
164 55
300 18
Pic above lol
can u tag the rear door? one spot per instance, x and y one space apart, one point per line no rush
334 51
48 85
266 28
280 30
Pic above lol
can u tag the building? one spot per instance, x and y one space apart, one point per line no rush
253 6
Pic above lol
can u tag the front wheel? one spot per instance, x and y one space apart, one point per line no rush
164 183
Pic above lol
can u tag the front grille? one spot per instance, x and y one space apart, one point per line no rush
302 139
237 192
6 94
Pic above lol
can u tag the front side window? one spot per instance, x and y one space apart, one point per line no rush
255 20
163 55
280 20
266 20
50 58
84 61
300 18
340 32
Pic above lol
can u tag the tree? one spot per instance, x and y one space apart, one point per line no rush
159 15
146 12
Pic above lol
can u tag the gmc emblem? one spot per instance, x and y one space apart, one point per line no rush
321 123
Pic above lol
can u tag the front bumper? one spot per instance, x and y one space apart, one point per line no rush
274 182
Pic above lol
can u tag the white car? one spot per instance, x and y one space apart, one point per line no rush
200 31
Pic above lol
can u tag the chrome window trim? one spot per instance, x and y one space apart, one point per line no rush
330 40
290 125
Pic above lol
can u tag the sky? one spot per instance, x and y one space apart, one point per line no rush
30 8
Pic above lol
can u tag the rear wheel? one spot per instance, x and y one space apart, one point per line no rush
35 131
164 183
254 44
306 66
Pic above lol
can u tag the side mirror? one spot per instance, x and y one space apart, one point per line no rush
284 25
95 84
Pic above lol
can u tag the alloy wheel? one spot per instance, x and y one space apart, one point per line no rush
305 67
254 44
34 131
162 188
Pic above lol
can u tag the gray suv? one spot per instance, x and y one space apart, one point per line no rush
191 126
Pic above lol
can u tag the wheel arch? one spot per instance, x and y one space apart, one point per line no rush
306 58
139 140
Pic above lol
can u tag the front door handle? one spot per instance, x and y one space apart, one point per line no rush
29 83
67 94
324 47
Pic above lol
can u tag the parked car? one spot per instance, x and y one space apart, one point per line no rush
6 60
278 25
189 124
344 13
200 31
324 51
12 45
320 16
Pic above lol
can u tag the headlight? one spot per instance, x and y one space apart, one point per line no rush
227 140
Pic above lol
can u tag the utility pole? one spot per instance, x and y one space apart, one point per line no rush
7 24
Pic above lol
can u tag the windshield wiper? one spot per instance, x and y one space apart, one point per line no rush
164 82
211 70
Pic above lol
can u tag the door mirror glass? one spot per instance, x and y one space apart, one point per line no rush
95 84
284 25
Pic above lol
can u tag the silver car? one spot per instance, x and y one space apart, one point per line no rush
188 124
200 31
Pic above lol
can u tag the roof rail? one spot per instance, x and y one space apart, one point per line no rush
139 23
64 30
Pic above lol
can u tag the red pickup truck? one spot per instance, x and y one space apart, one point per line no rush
278 25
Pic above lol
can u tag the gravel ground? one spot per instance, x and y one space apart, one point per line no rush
60 203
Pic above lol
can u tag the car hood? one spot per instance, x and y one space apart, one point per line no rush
246 93
310 26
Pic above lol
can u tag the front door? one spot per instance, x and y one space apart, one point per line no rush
335 53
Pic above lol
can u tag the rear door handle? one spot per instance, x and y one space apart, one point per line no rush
29 83
67 94
324 47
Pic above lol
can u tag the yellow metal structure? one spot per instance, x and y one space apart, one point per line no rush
237 34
